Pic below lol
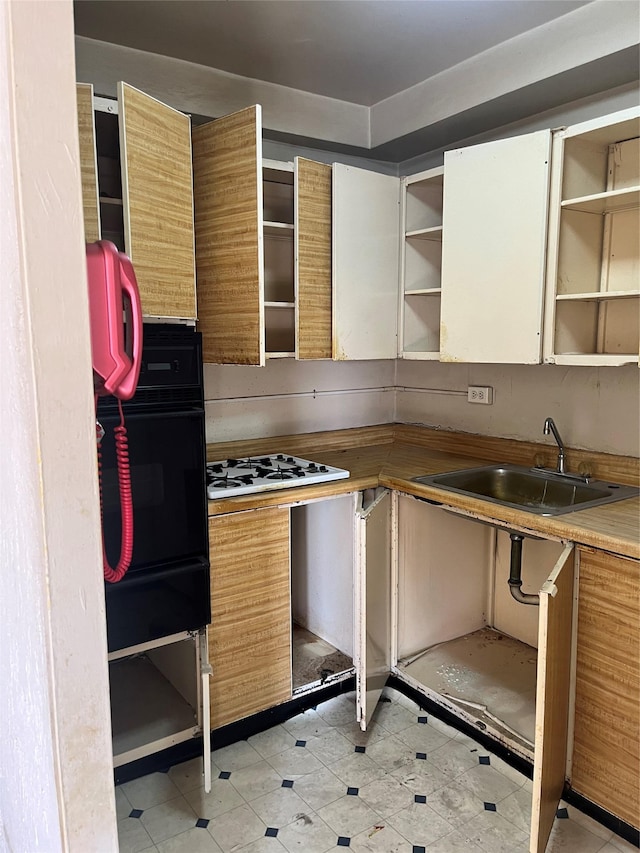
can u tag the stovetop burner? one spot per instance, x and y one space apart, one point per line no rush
230 477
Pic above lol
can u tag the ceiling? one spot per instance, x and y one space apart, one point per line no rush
359 51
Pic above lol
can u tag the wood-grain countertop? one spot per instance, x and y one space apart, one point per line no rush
391 455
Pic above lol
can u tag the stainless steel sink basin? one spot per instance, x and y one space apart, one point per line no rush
529 489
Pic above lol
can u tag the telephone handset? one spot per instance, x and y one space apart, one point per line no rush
116 348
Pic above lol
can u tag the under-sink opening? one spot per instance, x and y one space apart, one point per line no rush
461 635
322 555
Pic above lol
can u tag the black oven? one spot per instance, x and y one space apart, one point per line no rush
166 589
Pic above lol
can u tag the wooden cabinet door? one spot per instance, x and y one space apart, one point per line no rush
88 163
227 178
606 743
366 240
155 151
552 698
250 631
372 656
313 258
493 250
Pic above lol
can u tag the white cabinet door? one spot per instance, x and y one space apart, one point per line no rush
372 656
493 250
366 240
552 698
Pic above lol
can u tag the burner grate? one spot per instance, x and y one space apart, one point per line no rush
229 477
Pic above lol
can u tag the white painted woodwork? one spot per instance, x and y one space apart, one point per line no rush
552 697
365 228
493 252
593 269
444 575
322 548
420 265
56 785
373 601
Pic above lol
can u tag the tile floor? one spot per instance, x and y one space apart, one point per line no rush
411 784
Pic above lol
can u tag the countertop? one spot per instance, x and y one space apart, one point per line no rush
392 455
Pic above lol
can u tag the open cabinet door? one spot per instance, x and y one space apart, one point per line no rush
552 697
372 656
157 189
227 180
366 239
88 162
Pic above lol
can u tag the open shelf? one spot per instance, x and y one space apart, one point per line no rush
595 257
154 699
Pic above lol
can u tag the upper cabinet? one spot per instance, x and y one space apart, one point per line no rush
493 250
421 265
135 158
263 247
593 291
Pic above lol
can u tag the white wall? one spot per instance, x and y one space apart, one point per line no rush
594 408
56 782
290 396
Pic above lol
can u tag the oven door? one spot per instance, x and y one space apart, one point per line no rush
167 465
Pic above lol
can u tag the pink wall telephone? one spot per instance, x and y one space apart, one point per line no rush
116 349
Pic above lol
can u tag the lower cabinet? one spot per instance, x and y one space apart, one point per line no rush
605 766
289 603
159 697
465 643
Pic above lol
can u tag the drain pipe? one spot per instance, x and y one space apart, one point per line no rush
515 569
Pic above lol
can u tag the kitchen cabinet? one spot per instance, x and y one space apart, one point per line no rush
135 156
605 766
456 253
279 572
593 295
160 697
263 240
465 643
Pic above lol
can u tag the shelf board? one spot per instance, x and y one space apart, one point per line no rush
280 354
425 291
607 202
279 304
598 296
107 200
434 233
594 359
277 229
418 355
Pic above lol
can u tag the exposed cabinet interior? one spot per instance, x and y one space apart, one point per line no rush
155 696
421 265
137 193
278 245
594 268
322 600
606 758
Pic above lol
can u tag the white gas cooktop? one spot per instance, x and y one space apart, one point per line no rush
231 477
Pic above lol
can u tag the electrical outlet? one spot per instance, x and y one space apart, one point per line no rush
480 394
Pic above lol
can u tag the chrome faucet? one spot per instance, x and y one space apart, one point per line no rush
549 426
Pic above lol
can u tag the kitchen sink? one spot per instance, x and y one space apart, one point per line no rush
529 489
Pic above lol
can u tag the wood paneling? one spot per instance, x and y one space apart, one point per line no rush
250 631
155 147
227 158
313 250
88 170
606 749
552 698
